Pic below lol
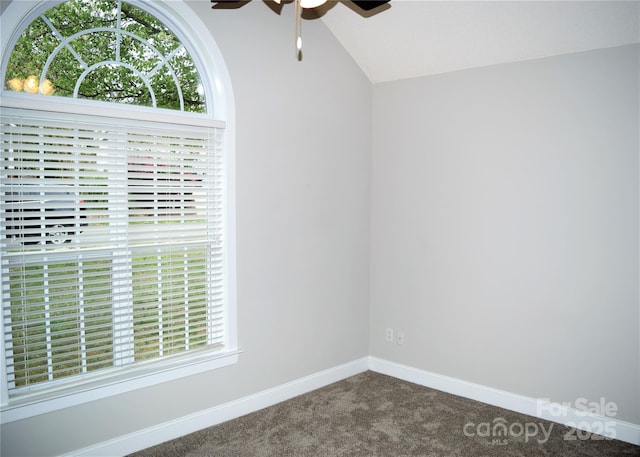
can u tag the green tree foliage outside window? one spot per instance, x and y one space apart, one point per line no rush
105 50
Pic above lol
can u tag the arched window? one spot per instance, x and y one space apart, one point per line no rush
114 191
105 50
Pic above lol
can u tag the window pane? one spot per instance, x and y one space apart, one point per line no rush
111 241
60 319
139 62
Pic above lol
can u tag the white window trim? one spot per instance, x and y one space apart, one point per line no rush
135 379
190 29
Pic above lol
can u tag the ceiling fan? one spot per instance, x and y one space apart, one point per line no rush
365 8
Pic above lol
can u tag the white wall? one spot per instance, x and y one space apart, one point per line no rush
505 226
303 159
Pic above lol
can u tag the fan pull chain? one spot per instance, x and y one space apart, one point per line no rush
298 29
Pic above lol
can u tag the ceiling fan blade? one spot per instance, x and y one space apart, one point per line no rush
369 5
228 4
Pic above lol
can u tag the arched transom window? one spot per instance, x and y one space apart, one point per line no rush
105 50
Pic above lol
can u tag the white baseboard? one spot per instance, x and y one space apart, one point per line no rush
152 436
174 429
602 425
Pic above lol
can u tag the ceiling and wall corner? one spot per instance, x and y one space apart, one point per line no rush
416 38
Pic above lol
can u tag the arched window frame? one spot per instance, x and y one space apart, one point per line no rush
193 33
196 37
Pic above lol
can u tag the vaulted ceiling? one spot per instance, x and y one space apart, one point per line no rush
414 38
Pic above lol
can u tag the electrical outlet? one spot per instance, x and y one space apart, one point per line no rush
390 335
400 338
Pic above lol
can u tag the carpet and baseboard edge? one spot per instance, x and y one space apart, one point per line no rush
151 436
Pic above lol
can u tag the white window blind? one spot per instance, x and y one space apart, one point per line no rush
112 244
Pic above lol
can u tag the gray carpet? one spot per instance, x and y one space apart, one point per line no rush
376 415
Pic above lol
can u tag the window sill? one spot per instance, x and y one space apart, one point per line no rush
133 379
